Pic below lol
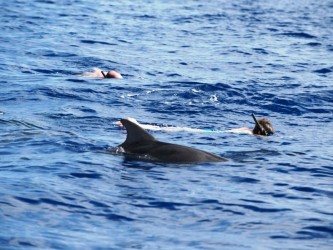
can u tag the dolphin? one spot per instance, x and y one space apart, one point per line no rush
142 145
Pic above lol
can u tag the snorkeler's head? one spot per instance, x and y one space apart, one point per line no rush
263 127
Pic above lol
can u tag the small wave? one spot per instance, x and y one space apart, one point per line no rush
243 156
20 123
97 42
22 243
61 93
313 232
247 206
166 205
239 179
149 17
76 80
46 1
117 217
313 190
46 201
324 70
261 51
285 105
53 71
260 209
59 54
92 175
314 44
298 35
321 229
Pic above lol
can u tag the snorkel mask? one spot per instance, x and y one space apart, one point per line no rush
105 76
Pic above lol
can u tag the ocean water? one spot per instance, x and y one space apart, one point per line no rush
199 64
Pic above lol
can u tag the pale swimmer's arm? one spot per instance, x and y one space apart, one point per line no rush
95 73
172 129
160 128
243 130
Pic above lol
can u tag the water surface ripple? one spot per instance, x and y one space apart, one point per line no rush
192 63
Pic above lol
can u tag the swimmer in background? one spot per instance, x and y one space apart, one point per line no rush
262 127
98 73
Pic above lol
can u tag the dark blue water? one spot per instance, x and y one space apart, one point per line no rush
185 63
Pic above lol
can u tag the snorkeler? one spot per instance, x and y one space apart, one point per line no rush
262 127
100 74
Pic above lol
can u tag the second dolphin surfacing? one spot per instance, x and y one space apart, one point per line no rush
142 145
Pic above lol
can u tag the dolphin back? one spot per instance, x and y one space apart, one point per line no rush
175 153
142 144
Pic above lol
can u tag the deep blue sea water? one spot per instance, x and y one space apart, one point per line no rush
199 64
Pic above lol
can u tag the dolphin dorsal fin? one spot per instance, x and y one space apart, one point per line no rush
135 133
